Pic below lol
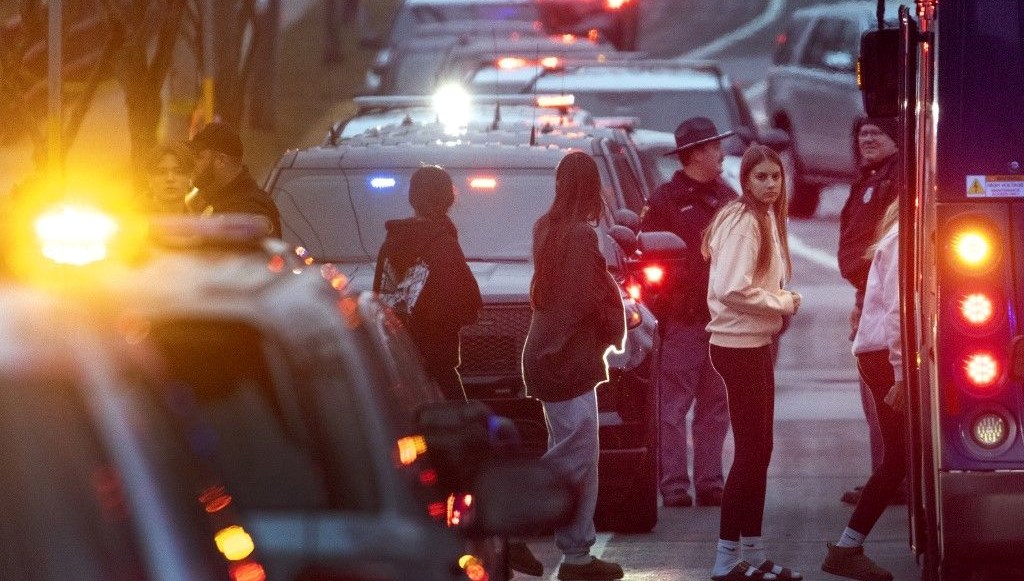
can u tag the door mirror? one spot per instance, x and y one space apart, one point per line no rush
776 139
661 246
521 498
627 218
624 237
878 72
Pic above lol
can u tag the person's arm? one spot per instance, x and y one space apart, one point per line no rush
732 275
887 262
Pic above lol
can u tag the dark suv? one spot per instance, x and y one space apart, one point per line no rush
812 94
334 202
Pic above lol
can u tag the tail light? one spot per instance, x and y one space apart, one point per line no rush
982 369
616 4
976 309
654 274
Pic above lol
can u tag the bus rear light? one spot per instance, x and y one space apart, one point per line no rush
982 369
973 248
976 309
990 430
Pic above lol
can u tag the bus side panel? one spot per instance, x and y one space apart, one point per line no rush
982 515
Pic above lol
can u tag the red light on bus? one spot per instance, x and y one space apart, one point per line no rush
982 369
972 248
976 309
654 274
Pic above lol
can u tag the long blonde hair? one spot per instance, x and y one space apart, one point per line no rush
747 203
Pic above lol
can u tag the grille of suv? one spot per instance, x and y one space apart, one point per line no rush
493 346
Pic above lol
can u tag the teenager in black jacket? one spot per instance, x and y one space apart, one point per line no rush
423 276
577 317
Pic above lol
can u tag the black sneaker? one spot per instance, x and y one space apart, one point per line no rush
595 570
521 559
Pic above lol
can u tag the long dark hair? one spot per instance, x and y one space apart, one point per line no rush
577 200
754 155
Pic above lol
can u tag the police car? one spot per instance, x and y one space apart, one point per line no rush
334 201
307 403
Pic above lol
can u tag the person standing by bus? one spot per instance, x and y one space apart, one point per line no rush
577 318
747 244
879 360
874 146
685 205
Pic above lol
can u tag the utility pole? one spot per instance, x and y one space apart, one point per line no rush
209 60
54 120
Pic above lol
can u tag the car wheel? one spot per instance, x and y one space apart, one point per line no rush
634 509
803 197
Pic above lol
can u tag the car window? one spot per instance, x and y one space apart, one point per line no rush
65 515
303 198
829 38
660 110
628 181
247 417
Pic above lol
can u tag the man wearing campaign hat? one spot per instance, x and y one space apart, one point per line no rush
685 205
223 183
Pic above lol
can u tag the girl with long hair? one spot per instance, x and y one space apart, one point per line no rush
577 318
747 244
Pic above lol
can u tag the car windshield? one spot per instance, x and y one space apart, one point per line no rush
494 209
660 111
413 15
236 400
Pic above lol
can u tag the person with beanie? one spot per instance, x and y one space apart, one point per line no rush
874 147
422 274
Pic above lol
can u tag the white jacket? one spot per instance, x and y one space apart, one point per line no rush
879 326
745 310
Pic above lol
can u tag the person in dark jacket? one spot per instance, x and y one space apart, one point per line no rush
685 205
223 182
874 147
577 318
423 276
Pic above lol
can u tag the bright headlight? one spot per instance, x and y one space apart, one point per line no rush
75 235
451 103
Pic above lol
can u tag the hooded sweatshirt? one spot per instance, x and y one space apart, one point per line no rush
439 294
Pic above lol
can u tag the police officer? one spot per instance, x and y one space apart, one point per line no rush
874 146
685 205
224 183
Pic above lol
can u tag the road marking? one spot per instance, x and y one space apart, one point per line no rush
804 250
770 14
597 551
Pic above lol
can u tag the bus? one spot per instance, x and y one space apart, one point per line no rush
953 72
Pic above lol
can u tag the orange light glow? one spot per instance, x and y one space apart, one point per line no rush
976 309
555 100
215 499
483 183
615 4
410 448
982 369
550 62
654 274
973 248
510 62
568 38
473 567
248 571
593 35
234 543
275 264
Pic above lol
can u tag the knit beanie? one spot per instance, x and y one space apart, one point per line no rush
889 125
431 191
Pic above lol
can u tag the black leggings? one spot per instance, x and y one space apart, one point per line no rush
749 376
877 374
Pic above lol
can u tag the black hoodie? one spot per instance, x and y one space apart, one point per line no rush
450 297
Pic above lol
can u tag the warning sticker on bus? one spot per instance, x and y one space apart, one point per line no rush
995 186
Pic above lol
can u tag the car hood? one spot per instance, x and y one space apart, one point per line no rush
500 282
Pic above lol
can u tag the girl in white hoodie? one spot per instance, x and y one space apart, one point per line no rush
750 266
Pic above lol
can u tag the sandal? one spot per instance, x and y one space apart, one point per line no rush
744 571
783 574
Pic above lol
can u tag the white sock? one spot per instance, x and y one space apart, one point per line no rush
726 557
753 550
851 538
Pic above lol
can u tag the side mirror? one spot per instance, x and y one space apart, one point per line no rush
627 218
461 437
776 139
1017 352
878 72
624 237
661 246
520 498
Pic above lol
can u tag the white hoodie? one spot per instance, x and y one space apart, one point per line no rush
746 310
879 326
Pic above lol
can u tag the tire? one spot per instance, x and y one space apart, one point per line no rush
635 509
803 197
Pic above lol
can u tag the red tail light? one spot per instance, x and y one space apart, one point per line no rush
615 4
634 291
982 369
654 274
976 309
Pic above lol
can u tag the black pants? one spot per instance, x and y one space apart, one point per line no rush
749 376
877 374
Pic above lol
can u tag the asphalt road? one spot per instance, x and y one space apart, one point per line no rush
820 434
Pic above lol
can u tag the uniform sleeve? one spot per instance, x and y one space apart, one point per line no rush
733 268
654 218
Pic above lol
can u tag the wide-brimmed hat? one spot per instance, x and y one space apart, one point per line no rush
696 131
